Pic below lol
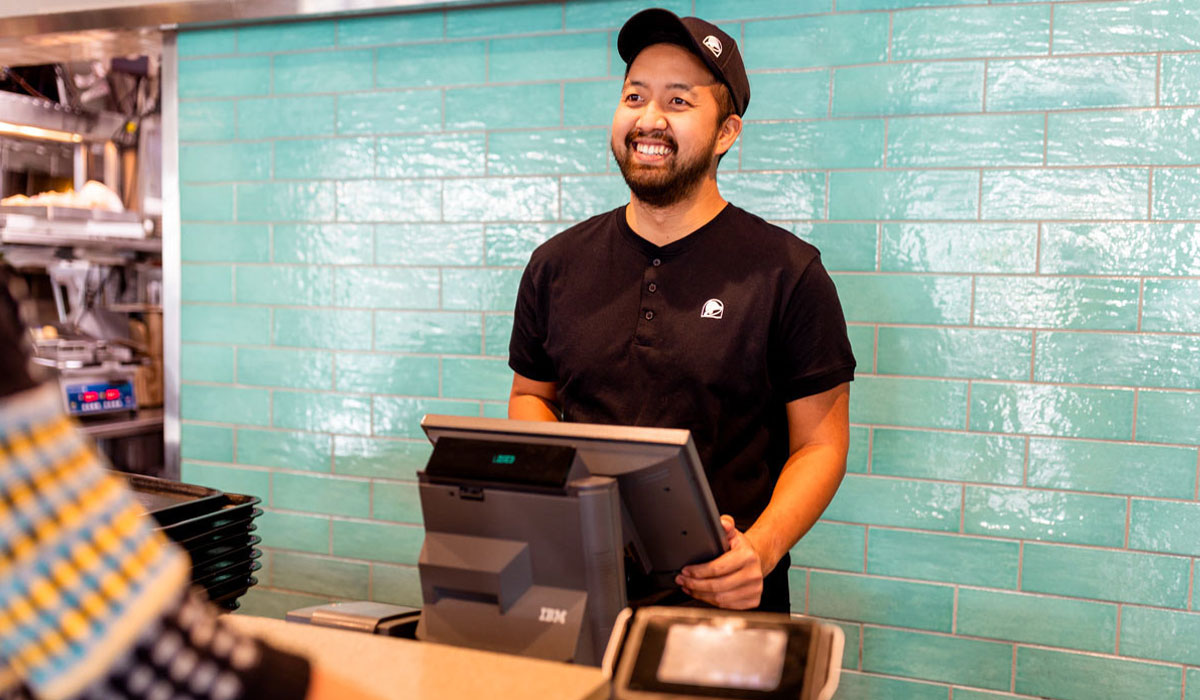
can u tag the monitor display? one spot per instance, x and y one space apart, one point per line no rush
669 519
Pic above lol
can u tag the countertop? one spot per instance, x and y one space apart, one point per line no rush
402 668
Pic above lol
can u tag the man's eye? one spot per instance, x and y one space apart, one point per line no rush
679 101
633 97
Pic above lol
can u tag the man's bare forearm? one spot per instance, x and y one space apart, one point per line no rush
809 480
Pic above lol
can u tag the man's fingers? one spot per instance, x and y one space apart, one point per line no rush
723 565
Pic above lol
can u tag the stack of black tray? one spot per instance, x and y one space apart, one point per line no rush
215 528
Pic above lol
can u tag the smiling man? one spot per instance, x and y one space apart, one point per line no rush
681 310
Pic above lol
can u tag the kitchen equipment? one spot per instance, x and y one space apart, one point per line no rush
212 526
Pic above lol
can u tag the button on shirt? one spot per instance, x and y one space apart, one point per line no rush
714 333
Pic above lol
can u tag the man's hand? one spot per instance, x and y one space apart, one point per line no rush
733 580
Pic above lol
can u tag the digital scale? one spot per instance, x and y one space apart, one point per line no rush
91 378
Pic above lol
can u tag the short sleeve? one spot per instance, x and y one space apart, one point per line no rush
814 353
527 346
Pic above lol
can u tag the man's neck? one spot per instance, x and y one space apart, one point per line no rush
663 225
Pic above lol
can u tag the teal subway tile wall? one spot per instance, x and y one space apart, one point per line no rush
1006 193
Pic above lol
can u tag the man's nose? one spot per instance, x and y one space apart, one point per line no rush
652 118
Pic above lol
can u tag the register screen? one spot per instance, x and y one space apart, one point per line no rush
726 655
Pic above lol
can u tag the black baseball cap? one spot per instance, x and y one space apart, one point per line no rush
714 47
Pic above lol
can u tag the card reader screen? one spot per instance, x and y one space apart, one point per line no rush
726 655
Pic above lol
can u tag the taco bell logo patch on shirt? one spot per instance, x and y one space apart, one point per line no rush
713 308
713 44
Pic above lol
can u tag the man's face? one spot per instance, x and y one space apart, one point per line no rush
665 131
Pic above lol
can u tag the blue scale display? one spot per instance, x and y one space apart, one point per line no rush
85 399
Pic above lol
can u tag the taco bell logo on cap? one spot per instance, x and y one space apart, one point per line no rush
713 44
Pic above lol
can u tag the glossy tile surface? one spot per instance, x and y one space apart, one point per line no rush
1146 249
971 32
937 658
286 37
1168 417
205 323
883 601
927 194
305 533
771 195
337 70
396 502
322 328
555 57
958 247
323 244
910 88
388 288
958 352
512 244
1175 195
225 243
1164 25
431 64
1179 73
1164 526
321 159
896 502
1044 672
224 162
1076 303
390 29
877 298
246 481
225 404
831 40
389 112
401 417
377 458
1119 359
1068 83
1105 575
389 200
332 413
1106 467
320 494
563 152
295 369
473 378
1051 516
1171 306
831 545
298 285
853 143
975 140
943 558
398 585
842 246
1163 635
497 199
208 443
387 374
927 454
1052 410
395 543
1043 620
319 575
432 156
909 402
792 95
207 283
858 686
281 117
286 201
310 452
1143 136
1119 193
206 363
414 331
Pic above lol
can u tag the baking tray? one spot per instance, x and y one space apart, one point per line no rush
59 213
233 587
219 571
237 508
223 551
171 502
238 528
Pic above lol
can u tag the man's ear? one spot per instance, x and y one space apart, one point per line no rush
728 133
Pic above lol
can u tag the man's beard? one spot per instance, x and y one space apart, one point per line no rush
667 185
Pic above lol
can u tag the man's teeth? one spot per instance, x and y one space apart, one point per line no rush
653 150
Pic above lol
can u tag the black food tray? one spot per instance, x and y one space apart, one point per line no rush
231 588
222 551
238 528
241 555
200 547
237 508
242 569
170 502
